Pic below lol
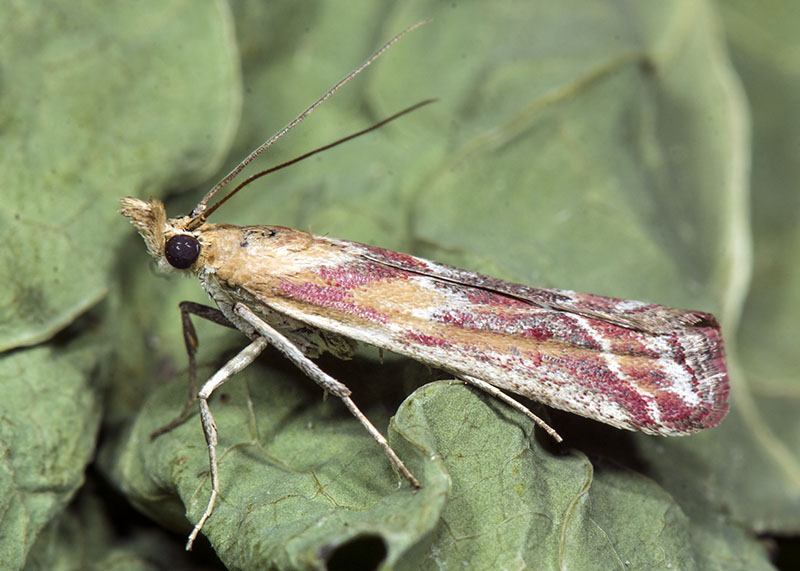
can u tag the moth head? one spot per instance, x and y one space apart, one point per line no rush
167 241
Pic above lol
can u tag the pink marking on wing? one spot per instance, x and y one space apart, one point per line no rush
679 353
427 340
674 410
593 375
540 325
494 322
340 281
331 297
624 341
359 274
407 261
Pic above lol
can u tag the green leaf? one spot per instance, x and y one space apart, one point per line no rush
751 469
515 505
49 416
85 90
766 52
295 495
85 537
596 147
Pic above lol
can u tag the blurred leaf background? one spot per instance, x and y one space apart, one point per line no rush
640 150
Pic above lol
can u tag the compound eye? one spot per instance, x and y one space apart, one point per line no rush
181 251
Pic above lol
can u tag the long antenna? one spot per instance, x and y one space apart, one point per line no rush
205 216
201 206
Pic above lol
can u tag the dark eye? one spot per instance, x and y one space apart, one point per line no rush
181 251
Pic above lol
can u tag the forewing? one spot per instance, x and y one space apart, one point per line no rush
630 364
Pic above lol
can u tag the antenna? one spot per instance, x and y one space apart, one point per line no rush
202 205
195 223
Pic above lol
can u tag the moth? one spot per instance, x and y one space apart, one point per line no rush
630 364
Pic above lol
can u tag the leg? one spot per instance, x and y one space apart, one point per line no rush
324 380
239 362
190 341
500 395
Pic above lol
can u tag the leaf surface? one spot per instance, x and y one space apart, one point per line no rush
601 147
95 101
